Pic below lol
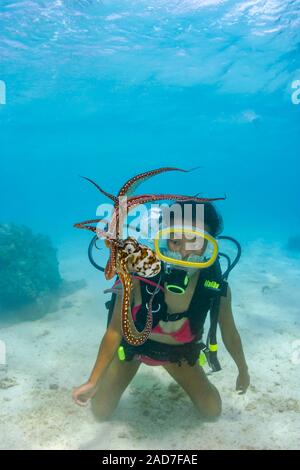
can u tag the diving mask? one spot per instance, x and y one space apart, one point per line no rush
184 251
186 247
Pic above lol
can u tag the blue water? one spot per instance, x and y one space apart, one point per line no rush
110 89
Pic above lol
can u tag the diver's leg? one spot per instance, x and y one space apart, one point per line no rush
112 386
203 394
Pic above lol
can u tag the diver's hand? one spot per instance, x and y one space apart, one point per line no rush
242 382
81 395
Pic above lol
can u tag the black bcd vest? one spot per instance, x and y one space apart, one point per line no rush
210 285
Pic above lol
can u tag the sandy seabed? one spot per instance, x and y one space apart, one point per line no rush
46 358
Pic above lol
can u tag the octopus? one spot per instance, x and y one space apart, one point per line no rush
128 257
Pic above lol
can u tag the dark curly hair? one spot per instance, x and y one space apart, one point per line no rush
212 218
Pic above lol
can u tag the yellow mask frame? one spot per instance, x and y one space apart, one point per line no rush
168 231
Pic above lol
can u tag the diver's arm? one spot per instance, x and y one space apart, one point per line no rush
230 334
109 344
107 350
112 338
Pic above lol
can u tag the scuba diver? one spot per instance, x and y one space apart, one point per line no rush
190 285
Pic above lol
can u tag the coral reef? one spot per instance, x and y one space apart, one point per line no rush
29 273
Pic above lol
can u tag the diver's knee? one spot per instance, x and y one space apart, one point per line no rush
101 415
101 411
211 408
213 411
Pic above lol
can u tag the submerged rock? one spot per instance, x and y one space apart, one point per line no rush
30 282
53 387
7 382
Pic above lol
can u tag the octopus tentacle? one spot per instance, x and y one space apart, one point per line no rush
176 197
110 269
86 225
111 266
132 183
130 333
90 221
144 198
161 197
119 260
111 196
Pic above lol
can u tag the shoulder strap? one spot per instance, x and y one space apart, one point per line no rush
213 281
209 288
110 304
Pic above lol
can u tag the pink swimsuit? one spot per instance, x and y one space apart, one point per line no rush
183 335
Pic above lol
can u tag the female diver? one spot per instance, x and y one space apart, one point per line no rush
178 322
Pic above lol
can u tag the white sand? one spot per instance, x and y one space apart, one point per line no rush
47 357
